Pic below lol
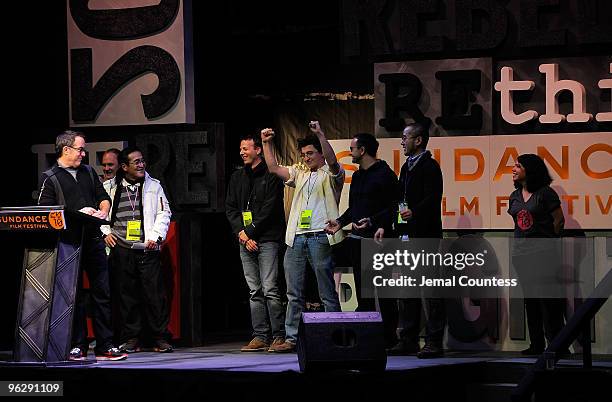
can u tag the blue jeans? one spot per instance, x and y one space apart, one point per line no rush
315 248
261 274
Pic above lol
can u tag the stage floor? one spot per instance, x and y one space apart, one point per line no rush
228 357
190 373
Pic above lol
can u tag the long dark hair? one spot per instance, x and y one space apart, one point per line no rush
536 173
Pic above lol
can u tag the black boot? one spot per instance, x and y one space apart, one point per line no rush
430 351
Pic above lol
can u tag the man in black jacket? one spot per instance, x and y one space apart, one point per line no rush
421 191
77 187
372 206
255 210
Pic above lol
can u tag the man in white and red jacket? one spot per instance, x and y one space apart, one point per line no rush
139 223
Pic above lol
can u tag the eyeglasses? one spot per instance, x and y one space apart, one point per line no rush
307 154
351 148
138 162
79 149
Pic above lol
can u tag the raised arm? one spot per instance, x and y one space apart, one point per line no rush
267 134
328 151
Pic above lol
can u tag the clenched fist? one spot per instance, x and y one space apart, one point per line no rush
267 134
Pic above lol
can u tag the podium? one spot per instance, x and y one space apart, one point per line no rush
50 273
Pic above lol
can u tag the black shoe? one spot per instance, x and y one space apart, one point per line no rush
162 346
403 348
430 351
532 351
131 346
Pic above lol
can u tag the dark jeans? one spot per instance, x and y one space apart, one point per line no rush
411 318
544 320
93 261
544 315
142 297
351 248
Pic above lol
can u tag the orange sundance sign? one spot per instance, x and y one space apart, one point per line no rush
477 174
32 220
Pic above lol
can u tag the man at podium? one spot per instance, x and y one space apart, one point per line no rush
75 185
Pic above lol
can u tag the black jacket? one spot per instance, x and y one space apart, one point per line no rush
262 192
373 195
85 191
422 189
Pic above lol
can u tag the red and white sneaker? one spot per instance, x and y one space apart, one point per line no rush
76 354
112 354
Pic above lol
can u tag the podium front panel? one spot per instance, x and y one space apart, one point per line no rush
64 296
35 305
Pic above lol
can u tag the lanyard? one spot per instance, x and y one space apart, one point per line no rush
412 161
311 189
249 200
133 205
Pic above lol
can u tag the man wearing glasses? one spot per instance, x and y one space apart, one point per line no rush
318 184
75 185
420 216
139 223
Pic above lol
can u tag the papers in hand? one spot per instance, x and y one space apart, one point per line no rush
142 246
87 210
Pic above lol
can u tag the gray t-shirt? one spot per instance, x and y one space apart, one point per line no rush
533 220
70 170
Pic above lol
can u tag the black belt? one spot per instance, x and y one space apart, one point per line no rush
311 234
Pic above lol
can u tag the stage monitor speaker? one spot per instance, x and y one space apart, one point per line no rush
341 341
